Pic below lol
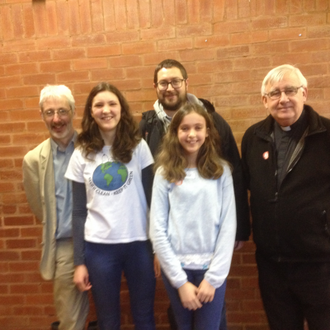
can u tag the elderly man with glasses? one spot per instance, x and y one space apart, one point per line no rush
286 162
49 196
171 86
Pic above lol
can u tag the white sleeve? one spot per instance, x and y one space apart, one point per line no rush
159 215
75 170
221 261
145 154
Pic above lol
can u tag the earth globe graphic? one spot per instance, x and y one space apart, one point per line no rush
110 176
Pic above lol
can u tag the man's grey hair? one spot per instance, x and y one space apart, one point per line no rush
56 92
277 74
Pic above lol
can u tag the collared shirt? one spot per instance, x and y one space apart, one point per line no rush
63 189
286 140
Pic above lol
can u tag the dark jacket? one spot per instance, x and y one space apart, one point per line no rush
152 131
290 222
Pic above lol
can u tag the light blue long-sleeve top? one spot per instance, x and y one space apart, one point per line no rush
193 225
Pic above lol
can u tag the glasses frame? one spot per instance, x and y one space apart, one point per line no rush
170 82
274 98
65 113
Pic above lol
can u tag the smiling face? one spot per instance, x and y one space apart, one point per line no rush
192 133
60 127
106 111
171 99
287 109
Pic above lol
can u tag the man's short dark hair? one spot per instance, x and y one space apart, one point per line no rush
169 63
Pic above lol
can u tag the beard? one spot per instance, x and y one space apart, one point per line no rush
173 106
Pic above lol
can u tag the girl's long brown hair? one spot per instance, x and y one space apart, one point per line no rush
127 134
171 157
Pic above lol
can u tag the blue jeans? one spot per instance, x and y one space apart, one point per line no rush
105 263
206 318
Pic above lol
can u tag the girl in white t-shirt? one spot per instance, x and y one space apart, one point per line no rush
111 170
193 219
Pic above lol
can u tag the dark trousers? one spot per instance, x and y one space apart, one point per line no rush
294 291
105 263
173 325
206 318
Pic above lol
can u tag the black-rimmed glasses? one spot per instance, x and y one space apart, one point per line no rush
175 83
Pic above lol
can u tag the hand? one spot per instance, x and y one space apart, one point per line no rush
205 292
238 245
81 278
156 266
188 296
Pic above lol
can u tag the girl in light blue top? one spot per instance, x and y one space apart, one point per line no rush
193 219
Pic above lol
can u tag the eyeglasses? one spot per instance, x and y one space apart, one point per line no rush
175 83
276 94
51 113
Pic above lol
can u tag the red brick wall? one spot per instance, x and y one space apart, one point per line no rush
227 46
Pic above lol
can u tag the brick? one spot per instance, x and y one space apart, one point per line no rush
28 310
109 16
144 14
167 32
18 221
231 26
308 19
125 61
141 72
11 278
157 12
119 36
97 15
311 45
71 53
39 299
181 12
58 66
132 14
21 92
74 23
53 43
243 9
120 15
273 48
40 79
10 232
51 18
6 23
104 51
39 14
88 40
168 45
27 20
19 45
9 255
138 48
196 29
7 187
322 31
231 10
30 255
92 63
212 41
66 77
286 34
63 17
219 8
34 56
20 244
17 21
20 69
